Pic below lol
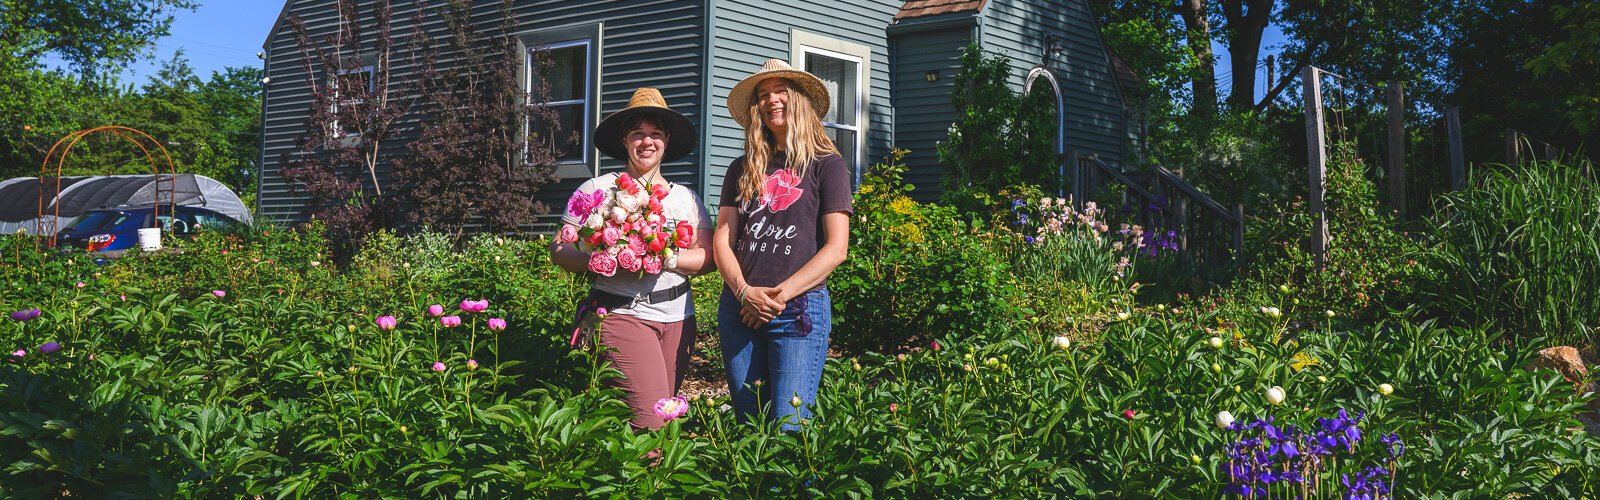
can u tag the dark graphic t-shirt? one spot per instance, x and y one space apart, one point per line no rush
782 229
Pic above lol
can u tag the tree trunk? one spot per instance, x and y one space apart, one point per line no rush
1247 20
1204 81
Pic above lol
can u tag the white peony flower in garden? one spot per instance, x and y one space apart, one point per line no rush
1385 389
1215 342
1224 419
1063 342
1275 395
1272 312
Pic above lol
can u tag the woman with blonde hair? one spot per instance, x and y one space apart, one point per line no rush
783 225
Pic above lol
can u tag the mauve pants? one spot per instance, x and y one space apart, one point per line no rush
652 357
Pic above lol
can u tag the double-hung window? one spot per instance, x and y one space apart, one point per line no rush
562 68
842 67
351 87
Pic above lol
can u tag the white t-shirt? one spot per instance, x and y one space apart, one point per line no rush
681 204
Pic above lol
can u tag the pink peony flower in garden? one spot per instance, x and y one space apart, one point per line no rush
610 235
569 234
49 347
497 324
935 346
81 284
652 264
1129 414
893 408
219 293
387 322
19 353
474 306
436 310
601 312
450 321
629 260
438 366
603 263
670 408
26 314
472 364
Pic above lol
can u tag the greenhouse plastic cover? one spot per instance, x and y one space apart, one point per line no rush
19 197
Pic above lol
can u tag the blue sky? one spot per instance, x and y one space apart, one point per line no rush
219 34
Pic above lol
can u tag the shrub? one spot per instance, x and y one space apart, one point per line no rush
915 271
1521 250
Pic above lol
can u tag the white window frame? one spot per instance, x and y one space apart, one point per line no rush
802 45
336 131
587 165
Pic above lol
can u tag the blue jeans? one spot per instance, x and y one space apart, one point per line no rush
786 354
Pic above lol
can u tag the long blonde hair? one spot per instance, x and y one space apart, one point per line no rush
805 141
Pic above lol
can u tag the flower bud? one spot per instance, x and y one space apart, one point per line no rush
795 401
1224 419
1215 342
966 367
1283 288
1194 459
1275 395
1063 342
1129 414
1322 378
900 357
1385 389
472 364
1328 313
1122 315
1216 368
855 365
991 362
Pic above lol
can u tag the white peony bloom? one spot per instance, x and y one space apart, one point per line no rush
1224 419
1063 342
1385 389
1275 395
1215 342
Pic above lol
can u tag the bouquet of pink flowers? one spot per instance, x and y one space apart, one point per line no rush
623 226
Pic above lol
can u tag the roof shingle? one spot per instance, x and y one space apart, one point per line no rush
924 8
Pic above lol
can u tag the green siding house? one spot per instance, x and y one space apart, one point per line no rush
890 65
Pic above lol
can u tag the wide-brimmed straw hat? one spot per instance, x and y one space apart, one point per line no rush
811 86
608 135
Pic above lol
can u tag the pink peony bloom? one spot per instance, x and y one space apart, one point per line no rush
629 260
474 306
670 408
450 321
387 322
603 263
1129 414
893 407
497 324
655 206
82 284
601 312
610 235
652 264
658 243
636 244
569 234
436 310
472 364
936 345
438 366
19 353
660 191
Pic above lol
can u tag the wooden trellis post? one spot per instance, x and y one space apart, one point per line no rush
1316 162
1458 167
1397 148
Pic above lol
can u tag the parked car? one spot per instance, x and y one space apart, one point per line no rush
106 230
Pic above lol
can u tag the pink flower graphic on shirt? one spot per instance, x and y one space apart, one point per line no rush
782 190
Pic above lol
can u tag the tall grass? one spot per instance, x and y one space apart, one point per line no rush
1521 250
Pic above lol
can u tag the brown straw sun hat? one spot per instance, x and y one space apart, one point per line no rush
739 98
608 135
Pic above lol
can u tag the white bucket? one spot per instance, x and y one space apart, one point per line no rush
150 239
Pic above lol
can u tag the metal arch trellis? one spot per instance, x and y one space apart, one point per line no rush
72 139
1061 130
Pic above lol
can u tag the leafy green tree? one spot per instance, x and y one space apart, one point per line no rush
91 36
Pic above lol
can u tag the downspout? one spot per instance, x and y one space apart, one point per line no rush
708 74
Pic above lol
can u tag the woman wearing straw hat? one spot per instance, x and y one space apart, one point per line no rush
783 225
648 329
